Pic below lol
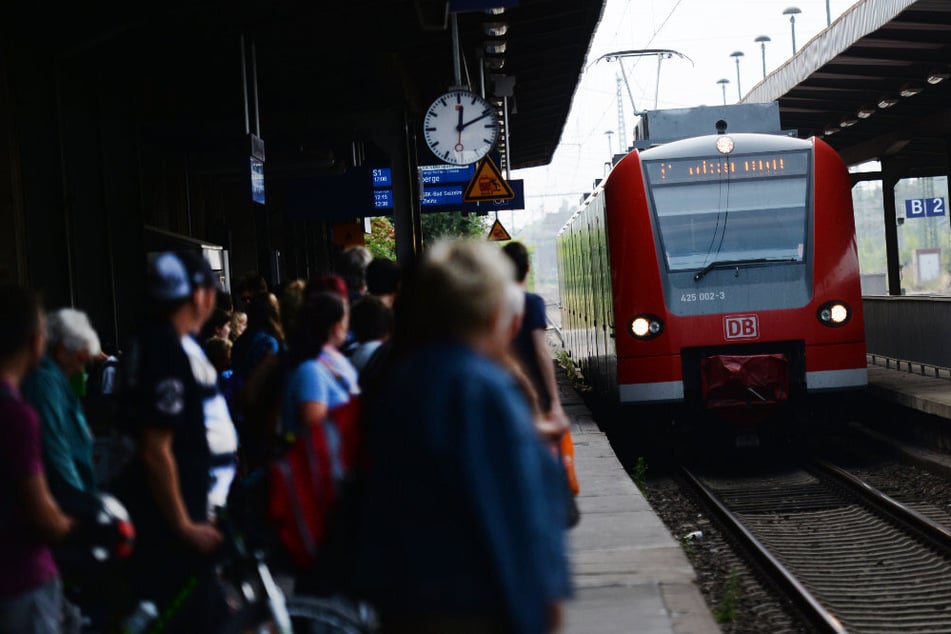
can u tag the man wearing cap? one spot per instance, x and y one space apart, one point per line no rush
186 443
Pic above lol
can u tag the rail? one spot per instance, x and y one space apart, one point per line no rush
823 534
797 592
911 519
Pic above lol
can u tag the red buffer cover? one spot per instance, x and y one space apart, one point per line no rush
758 380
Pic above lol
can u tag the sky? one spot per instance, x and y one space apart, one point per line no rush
706 32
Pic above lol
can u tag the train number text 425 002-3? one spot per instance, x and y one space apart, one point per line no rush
706 296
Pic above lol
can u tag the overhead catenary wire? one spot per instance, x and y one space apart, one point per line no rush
660 53
696 28
582 139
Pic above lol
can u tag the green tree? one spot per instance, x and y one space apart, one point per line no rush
382 239
451 224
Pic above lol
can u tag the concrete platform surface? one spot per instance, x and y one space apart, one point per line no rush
924 393
629 573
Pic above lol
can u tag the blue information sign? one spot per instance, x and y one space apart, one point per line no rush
441 174
383 199
449 198
448 195
257 180
381 177
368 192
921 207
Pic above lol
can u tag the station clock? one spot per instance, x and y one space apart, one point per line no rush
461 127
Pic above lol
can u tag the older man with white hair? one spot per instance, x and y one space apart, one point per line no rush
67 441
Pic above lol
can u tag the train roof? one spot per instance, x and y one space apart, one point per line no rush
657 127
744 143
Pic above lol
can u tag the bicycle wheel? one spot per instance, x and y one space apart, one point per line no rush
309 615
251 619
312 615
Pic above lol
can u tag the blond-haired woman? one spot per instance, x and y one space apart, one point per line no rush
463 530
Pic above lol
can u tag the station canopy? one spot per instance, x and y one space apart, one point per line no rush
875 85
324 68
349 57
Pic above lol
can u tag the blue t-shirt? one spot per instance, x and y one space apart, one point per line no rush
524 345
249 350
341 368
313 382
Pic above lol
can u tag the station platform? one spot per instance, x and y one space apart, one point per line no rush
927 391
629 573
923 388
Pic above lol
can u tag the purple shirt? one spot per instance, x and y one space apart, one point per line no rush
25 562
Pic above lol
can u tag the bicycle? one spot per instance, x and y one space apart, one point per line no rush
260 605
308 615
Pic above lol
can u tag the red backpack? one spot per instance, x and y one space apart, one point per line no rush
304 484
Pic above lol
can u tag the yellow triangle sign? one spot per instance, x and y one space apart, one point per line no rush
487 184
498 233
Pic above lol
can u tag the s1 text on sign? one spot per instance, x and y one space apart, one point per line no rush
381 177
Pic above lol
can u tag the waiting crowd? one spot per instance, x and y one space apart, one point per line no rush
394 437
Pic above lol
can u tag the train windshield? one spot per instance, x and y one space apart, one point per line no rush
736 208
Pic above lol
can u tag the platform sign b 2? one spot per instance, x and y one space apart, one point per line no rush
921 207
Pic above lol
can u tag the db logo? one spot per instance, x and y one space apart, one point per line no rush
741 327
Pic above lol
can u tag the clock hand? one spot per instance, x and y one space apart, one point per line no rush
468 123
459 147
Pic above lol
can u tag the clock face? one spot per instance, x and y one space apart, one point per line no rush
461 127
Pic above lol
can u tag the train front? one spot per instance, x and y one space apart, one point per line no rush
745 296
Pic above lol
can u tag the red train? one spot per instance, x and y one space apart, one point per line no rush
717 272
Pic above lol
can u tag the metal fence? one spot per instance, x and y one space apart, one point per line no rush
911 328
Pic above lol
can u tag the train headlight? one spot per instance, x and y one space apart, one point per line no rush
724 144
646 326
834 314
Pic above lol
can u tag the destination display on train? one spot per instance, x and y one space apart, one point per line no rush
727 167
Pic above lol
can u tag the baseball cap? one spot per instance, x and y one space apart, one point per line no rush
175 275
329 282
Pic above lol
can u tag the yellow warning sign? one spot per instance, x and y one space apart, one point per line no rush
498 233
487 184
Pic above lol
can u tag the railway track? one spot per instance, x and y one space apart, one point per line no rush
851 558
